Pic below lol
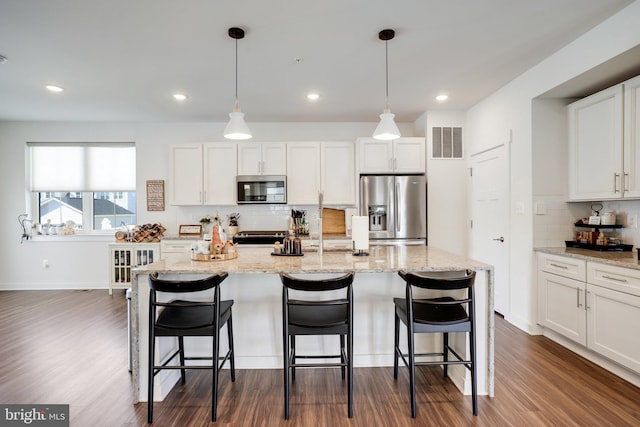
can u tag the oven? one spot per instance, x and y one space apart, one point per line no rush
258 237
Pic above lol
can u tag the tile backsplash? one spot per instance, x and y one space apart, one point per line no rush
554 219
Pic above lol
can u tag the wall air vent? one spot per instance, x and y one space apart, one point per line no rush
447 143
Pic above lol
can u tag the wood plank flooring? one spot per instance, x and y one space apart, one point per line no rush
70 347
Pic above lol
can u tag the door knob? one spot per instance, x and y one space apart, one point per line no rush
500 239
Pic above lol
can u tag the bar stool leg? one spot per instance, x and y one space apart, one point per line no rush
232 354
183 372
445 353
412 371
396 348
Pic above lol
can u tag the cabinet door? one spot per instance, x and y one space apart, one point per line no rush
220 170
249 158
338 173
375 156
611 320
303 173
255 158
186 175
632 138
595 146
409 155
561 306
274 159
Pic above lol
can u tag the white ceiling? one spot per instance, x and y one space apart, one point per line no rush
121 60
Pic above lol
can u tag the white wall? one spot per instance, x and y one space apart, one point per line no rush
448 212
511 108
84 264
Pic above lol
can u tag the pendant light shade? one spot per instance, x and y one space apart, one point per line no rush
236 128
387 128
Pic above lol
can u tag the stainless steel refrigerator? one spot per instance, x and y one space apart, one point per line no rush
396 206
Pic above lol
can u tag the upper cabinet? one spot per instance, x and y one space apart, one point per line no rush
338 173
203 174
303 173
255 158
402 155
327 167
603 144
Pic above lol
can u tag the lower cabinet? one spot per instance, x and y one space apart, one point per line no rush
125 256
597 306
175 249
561 307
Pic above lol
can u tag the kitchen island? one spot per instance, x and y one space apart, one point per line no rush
255 287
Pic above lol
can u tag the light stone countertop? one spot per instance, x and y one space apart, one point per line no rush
627 259
380 259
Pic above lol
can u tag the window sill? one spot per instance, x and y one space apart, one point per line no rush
81 237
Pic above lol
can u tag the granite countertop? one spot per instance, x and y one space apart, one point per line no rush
380 259
628 259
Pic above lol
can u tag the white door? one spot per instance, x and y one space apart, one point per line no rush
490 218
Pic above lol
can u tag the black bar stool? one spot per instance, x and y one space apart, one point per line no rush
441 314
182 318
317 317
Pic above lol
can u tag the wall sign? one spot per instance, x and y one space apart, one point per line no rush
155 195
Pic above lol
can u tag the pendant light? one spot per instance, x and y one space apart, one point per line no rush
237 128
387 128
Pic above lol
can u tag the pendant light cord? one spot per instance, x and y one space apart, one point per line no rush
236 108
386 61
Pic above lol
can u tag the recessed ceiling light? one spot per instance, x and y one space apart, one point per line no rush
54 88
179 96
313 96
442 97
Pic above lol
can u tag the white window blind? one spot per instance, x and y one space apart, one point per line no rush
83 166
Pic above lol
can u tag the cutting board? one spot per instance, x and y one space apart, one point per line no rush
333 221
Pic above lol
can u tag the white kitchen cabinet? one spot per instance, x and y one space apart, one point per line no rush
267 158
632 137
328 167
603 144
402 155
203 174
594 304
125 256
303 173
175 249
338 173
561 293
613 311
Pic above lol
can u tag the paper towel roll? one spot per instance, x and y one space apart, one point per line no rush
360 232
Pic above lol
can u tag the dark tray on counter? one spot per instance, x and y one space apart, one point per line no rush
602 248
275 254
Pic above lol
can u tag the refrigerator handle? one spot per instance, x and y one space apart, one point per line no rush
397 203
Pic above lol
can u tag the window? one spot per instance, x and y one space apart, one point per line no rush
90 184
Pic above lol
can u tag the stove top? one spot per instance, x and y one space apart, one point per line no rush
267 237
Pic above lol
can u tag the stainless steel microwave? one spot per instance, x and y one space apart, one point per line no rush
261 189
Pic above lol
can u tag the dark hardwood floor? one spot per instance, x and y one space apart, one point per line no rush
70 347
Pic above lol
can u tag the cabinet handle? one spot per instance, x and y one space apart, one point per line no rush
390 162
616 178
200 196
626 181
578 298
615 279
586 300
204 196
558 266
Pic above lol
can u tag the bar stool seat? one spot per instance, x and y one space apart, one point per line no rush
436 314
189 318
314 316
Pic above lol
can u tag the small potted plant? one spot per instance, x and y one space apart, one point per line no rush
233 224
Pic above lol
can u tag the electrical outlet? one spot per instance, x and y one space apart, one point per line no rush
632 220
